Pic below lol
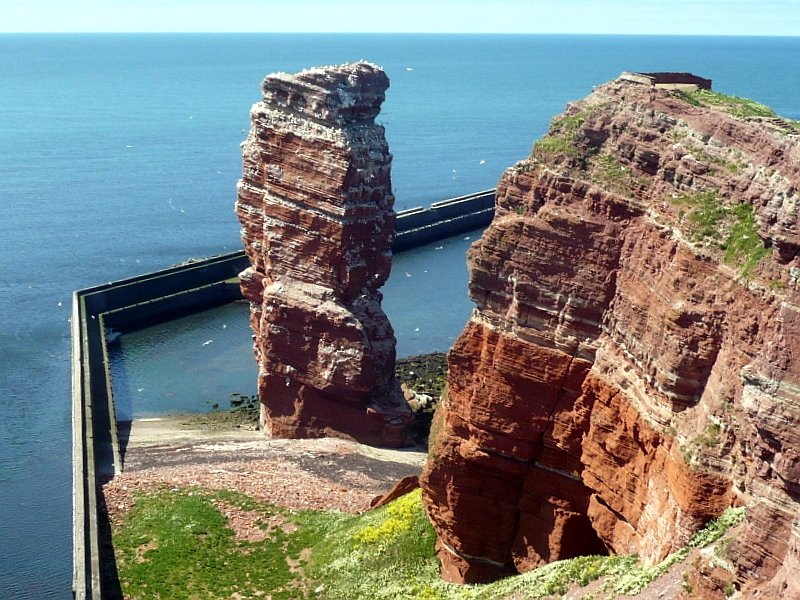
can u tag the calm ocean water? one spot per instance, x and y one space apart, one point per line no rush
119 155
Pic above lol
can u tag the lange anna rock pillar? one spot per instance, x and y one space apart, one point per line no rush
316 206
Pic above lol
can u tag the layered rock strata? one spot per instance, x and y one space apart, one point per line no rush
632 366
316 208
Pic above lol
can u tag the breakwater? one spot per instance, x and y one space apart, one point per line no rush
418 226
156 297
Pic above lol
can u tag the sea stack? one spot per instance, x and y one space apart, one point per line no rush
632 368
316 206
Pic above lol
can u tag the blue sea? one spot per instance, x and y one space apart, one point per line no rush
119 155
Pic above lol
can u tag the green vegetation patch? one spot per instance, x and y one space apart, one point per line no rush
383 554
744 248
555 578
735 106
615 176
706 214
561 137
710 437
740 108
638 578
389 554
733 228
730 166
178 544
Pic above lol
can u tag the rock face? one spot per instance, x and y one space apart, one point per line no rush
315 203
632 367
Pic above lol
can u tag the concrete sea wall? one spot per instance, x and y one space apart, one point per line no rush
147 299
418 226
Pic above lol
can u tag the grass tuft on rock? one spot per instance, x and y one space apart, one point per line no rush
561 138
609 172
639 577
735 106
744 248
709 221
739 108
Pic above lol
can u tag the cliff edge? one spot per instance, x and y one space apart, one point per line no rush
316 207
632 367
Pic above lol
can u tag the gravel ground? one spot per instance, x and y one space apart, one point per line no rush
186 451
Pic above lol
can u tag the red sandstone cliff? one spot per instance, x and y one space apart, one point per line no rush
315 203
632 367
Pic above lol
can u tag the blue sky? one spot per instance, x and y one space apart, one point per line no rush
703 17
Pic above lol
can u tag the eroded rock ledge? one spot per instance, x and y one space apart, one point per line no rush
316 208
631 368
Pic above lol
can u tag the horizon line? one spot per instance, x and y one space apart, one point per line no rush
431 33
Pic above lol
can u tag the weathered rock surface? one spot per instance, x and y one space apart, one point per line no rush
632 367
316 208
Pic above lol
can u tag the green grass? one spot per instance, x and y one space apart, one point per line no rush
388 555
744 247
555 578
638 578
383 554
561 137
741 108
706 215
615 176
715 161
734 229
733 105
176 544
710 437
610 170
